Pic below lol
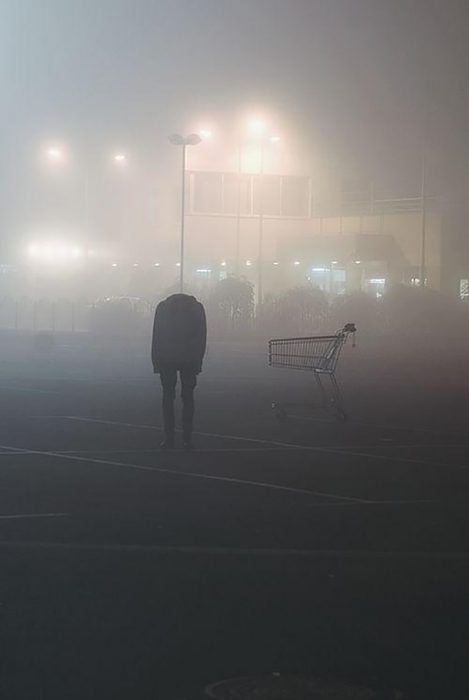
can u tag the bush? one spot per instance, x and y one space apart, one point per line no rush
362 309
119 316
230 306
416 311
298 311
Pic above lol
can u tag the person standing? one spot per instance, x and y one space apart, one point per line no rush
178 346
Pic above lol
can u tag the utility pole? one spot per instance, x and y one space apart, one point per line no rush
423 195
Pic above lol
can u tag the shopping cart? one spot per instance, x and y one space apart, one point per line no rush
317 354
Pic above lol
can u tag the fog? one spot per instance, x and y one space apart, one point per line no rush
368 102
263 479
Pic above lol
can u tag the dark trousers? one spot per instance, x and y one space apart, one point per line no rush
168 377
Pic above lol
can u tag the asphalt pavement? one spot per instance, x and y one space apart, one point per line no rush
309 546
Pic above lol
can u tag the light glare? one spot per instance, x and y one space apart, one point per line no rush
54 252
257 127
206 134
54 154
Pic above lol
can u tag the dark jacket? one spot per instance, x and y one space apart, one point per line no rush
179 332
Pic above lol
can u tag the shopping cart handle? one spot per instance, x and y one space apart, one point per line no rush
349 328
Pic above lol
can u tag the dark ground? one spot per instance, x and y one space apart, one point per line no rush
338 550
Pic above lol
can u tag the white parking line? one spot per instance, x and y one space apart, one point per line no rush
239 551
192 475
28 390
21 516
202 450
259 441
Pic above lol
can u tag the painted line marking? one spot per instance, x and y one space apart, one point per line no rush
29 390
210 477
377 425
239 551
193 475
259 441
20 516
176 451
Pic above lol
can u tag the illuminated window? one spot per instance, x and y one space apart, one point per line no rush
207 193
464 288
295 196
232 197
230 193
271 200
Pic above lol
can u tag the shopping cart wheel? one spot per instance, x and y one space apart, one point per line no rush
340 414
280 413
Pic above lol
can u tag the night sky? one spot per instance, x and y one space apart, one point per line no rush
364 81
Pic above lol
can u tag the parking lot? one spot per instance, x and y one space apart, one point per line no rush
310 546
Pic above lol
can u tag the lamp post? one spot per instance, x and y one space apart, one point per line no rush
183 141
258 129
423 196
56 158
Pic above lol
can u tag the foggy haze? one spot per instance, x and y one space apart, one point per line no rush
361 81
234 325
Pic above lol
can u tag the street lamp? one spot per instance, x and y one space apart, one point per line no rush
55 155
183 141
258 129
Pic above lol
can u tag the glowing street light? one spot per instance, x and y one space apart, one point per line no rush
120 159
206 134
258 128
183 141
55 154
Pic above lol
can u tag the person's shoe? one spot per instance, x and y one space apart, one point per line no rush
187 444
167 444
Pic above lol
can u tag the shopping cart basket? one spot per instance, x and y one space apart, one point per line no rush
316 354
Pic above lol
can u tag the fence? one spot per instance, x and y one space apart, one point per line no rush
28 315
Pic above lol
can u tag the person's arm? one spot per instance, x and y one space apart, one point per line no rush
154 340
201 336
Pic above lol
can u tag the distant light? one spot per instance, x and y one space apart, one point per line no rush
257 127
334 262
178 264
54 154
248 263
120 158
203 269
114 265
156 264
54 252
223 263
275 263
206 134
275 139
297 262
377 280
320 269
135 265
357 262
